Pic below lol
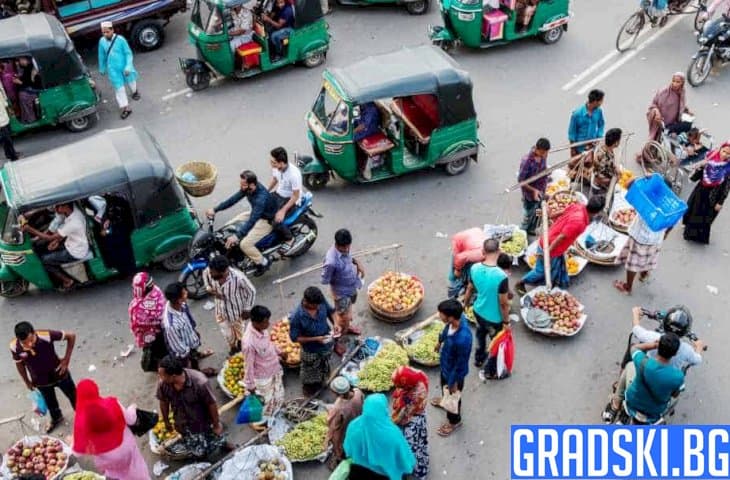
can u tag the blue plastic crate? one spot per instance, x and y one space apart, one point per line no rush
655 202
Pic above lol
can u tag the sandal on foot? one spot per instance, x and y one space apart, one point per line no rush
609 413
136 96
447 429
436 402
53 424
644 278
621 287
125 114
205 354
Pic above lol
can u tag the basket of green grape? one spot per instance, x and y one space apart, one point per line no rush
420 341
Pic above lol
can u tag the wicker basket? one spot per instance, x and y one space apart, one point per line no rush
396 317
548 331
403 336
206 173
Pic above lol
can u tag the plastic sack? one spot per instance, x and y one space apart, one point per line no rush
450 401
39 403
501 355
342 472
251 410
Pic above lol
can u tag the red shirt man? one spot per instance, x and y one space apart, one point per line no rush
566 229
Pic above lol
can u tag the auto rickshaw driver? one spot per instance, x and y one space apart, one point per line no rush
67 244
365 124
281 23
251 226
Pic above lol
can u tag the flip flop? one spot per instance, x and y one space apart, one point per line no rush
53 424
136 96
644 278
621 287
207 353
436 402
447 429
125 114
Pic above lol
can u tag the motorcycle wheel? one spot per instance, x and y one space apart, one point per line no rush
194 284
305 226
699 69
176 261
197 80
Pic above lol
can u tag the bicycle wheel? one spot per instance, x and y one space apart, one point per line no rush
630 31
654 158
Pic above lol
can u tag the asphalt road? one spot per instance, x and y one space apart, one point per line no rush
522 91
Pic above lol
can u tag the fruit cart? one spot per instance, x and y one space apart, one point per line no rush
230 376
293 350
299 429
575 263
420 341
554 312
395 297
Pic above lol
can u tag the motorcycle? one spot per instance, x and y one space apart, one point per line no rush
714 50
683 328
207 243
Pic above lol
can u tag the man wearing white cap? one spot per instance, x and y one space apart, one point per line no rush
115 59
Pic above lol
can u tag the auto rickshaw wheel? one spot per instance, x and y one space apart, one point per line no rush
419 7
176 261
552 35
81 124
147 35
13 288
316 181
198 80
458 166
314 60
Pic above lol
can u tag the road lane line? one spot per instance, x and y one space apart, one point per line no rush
606 73
589 70
185 91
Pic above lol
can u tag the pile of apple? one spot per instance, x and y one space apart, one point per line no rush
624 216
559 202
45 457
396 292
562 307
280 337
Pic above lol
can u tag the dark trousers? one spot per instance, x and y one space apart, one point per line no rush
484 329
280 228
67 386
358 472
453 418
7 142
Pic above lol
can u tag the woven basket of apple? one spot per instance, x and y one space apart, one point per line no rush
395 297
554 313
292 351
36 455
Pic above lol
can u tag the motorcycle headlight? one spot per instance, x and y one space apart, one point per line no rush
702 40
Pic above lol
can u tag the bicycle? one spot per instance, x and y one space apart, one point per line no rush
631 29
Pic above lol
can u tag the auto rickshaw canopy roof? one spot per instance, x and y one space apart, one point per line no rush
305 11
410 71
44 38
122 160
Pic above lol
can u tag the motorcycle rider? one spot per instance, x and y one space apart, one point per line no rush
648 383
252 226
286 187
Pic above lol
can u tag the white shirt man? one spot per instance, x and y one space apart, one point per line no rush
73 230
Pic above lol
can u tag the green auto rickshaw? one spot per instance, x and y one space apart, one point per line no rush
123 168
243 55
62 92
414 7
391 114
488 23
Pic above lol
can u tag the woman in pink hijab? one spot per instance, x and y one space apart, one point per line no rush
145 317
667 108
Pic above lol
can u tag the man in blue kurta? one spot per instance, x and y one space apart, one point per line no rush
116 61
587 122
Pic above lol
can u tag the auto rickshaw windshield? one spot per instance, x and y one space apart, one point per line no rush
205 16
331 111
11 234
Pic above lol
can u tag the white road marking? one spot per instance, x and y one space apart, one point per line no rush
185 91
620 62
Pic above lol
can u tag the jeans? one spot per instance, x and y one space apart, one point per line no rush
277 38
55 259
484 329
7 142
67 386
453 418
529 219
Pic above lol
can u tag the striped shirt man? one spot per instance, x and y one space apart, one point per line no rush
179 330
234 298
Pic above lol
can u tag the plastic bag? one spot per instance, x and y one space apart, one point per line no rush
342 472
39 403
501 355
450 401
251 410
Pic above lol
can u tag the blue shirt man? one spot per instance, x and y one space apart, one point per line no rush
587 122
368 123
282 24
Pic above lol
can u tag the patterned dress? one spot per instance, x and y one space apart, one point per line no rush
409 413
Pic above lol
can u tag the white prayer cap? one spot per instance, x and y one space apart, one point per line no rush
107 25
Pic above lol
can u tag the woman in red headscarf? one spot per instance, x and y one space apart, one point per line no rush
100 431
409 413
145 317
